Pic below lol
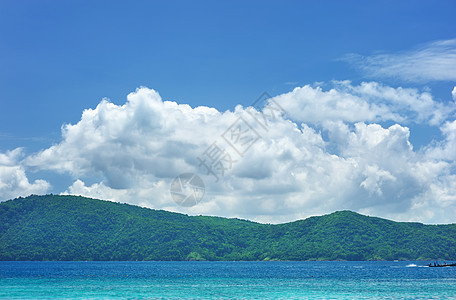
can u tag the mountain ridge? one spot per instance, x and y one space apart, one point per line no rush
52 227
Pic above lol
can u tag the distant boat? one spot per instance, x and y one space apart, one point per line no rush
437 265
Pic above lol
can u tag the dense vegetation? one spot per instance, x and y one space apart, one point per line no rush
76 228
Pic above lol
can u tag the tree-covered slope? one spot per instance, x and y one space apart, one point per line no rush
77 228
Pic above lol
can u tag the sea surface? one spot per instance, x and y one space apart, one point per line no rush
225 280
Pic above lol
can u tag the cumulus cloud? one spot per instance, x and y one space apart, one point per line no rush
430 62
366 102
144 137
445 149
326 153
13 179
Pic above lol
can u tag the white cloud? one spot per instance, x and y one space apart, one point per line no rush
144 137
137 196
453 93
131 153
13 179
431 62
446 149
367 102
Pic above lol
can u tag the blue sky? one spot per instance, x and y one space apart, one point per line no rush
58 58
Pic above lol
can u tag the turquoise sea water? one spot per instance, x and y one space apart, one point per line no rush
239 280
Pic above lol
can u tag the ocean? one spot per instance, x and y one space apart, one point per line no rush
225 280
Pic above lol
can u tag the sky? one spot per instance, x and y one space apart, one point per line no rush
114 100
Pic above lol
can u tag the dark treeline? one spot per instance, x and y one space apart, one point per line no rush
76 228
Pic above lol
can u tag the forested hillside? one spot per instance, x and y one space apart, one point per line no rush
76 228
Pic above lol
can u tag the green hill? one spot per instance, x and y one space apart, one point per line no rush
77 228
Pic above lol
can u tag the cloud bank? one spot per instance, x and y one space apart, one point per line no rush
323 150
433 61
